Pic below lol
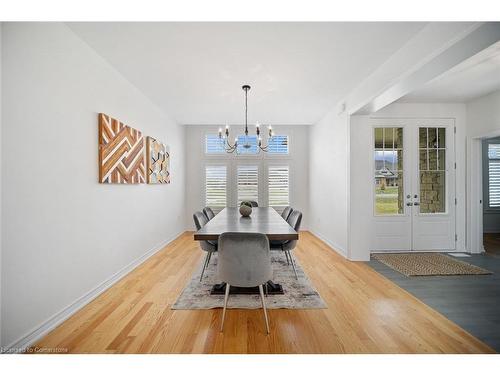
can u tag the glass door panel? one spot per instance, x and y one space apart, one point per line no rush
388 148
432 170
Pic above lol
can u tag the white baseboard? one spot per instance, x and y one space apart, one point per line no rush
338 249
37 333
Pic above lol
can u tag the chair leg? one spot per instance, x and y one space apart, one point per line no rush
286 255
287 260
293 264
226 297
207 259
264 307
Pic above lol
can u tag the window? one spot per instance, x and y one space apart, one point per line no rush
214 144
215 186
278 145
389 171
494 175
247 144
432 169
248 183
278 186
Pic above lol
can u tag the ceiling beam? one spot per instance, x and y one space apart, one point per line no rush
435 50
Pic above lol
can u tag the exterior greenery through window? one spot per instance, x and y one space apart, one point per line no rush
389 171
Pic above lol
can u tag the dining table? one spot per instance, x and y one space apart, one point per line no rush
262 220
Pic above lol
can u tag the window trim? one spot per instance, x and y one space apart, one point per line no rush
248 163
279 164
250 157
394 125
486 180
215 164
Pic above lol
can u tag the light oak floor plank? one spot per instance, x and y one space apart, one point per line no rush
366 313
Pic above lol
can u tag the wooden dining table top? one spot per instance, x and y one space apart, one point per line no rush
262 220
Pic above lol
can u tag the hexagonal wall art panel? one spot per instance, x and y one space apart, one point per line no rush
121 153
158 162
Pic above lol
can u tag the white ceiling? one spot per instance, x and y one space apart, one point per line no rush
194 71
475 77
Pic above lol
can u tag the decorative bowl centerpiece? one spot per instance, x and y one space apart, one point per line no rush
245 208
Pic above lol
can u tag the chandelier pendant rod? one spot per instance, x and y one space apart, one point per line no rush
232 148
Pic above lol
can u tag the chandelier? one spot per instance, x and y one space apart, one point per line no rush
230 148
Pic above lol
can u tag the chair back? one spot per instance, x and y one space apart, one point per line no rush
294 220
199 219
208 213
244 259
286 212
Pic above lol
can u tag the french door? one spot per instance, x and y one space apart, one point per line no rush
414 184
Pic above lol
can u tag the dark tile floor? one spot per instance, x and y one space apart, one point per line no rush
472 302
491 242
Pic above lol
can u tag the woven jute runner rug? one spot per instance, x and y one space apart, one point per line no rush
428 264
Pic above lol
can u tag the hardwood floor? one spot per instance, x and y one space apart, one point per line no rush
491 243
366 313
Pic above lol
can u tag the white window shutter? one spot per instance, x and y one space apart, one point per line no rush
214 144
215 186
248 183
279 187
278 144
494 175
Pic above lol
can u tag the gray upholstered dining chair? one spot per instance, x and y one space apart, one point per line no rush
209 246
208 213
286 212
254 203
294 220
244 260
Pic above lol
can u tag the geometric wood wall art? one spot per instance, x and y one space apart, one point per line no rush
121 153
158 162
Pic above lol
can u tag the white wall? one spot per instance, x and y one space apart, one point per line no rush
361 194
329 179
483 121
483 115
196 160
1 209
64 233
361 184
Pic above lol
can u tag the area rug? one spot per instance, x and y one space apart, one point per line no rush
428 264
298 294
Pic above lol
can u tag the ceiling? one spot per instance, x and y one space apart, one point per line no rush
194 71
475 77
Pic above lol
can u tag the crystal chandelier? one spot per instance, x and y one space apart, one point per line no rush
230 148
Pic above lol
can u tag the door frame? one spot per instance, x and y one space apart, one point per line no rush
403 122
474 173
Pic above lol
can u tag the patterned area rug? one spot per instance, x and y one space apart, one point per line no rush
428 264
299 294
